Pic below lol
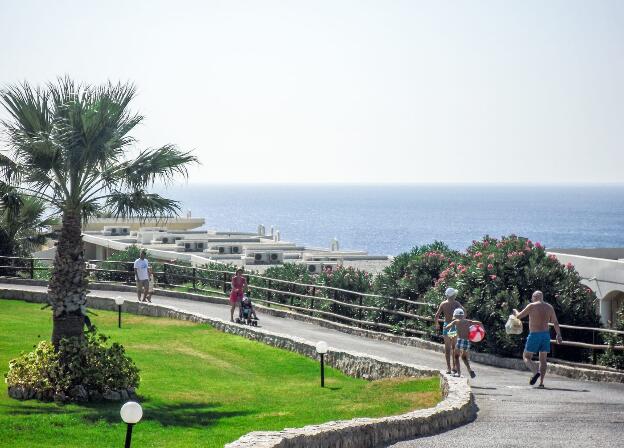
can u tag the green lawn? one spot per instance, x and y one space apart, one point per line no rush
199 387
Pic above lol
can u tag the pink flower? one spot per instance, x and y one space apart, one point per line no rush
452 264
490 266
539 245
479 265
570 266
491 257
460 266
463 270
493 277
499 245
552 257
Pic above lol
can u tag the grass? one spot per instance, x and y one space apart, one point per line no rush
199 387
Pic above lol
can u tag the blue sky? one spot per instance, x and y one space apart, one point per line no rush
350 91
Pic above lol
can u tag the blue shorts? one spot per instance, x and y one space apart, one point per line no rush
463 344
538 342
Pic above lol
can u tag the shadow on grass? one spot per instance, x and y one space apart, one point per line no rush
185 414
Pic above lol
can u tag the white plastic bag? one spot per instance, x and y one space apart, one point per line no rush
513 325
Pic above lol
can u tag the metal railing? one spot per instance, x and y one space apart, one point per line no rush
321 301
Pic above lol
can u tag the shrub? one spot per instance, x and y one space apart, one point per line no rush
119 261
497 276
347 278
81 369
214 280
410 276
44 272
291 272
614 358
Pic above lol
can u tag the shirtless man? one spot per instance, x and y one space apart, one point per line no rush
540 315
447 308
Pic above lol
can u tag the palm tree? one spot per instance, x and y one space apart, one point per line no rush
70 146
24 223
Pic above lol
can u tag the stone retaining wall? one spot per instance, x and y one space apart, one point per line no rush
456 408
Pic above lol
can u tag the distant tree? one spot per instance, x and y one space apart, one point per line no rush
70 146
24 224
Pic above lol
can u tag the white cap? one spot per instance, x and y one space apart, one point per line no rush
458 312
450 292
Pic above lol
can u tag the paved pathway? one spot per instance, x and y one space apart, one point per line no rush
568 413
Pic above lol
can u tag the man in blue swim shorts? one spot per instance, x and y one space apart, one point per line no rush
541 314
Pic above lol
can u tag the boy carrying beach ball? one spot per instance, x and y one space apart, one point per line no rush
463 343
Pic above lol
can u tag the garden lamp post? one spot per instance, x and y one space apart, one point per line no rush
321 349
119 301
131 413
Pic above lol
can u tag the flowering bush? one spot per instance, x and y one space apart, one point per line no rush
80 370
290 272
410 276
347 278
499 275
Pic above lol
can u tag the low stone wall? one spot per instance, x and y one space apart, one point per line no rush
455 409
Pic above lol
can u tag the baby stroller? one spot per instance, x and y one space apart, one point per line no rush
246 313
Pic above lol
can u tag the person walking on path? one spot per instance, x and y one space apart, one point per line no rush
540 315
141 274
463 342
238 290
447 308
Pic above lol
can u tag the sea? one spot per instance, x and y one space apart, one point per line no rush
390 219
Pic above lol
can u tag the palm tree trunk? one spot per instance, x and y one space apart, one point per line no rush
67 290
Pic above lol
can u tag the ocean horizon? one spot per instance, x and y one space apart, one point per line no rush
387 219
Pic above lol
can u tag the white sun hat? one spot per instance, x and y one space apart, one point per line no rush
450 292
458 312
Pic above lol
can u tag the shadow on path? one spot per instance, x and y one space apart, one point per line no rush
561 389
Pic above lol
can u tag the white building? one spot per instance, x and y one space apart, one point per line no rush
602 270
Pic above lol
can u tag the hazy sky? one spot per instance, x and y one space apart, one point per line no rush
350 91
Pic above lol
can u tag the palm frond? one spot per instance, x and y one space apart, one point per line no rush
160 164
141 204
9 169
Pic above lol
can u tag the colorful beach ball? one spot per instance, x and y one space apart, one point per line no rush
477 333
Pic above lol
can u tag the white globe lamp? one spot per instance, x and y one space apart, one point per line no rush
321 349
131 413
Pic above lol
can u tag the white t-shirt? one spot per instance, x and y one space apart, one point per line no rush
141 269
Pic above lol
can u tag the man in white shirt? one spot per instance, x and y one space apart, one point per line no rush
141 273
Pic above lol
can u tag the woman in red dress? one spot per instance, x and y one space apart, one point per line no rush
238 289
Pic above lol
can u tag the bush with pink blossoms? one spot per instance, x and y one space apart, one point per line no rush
410 276
500 275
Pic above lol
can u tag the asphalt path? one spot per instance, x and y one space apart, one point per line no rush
567 413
